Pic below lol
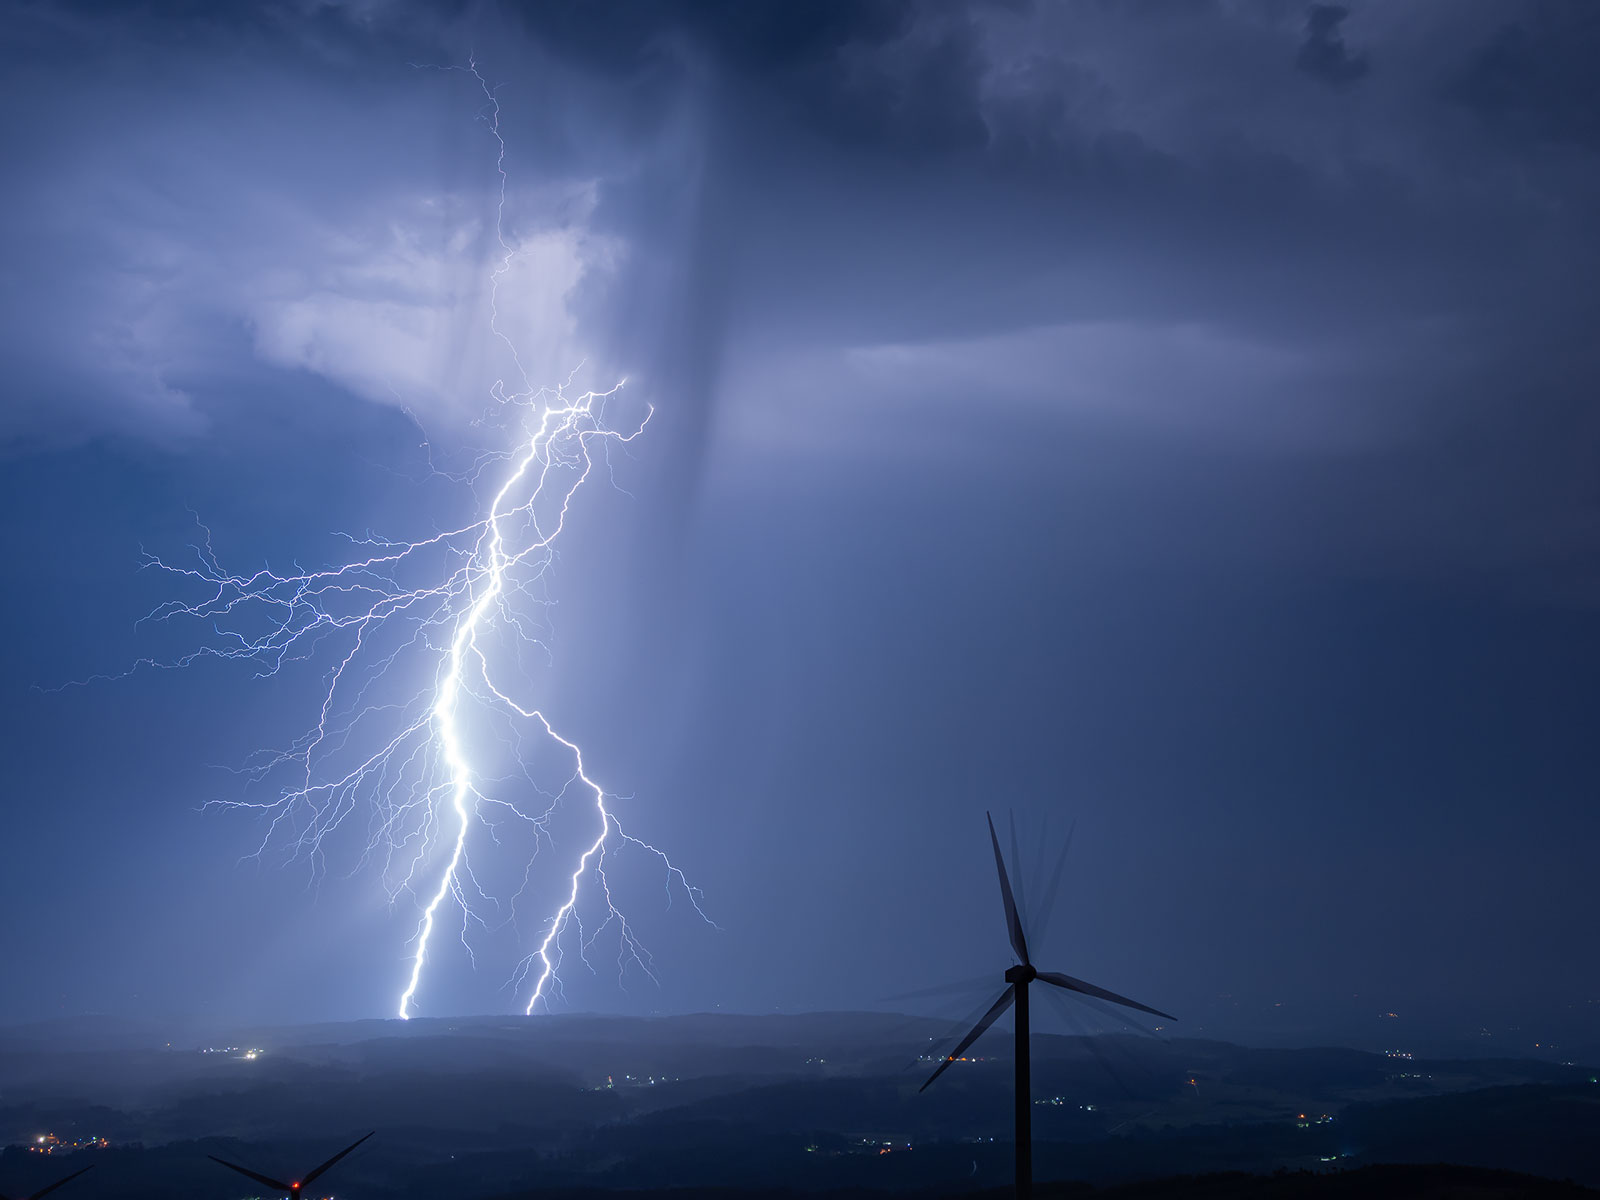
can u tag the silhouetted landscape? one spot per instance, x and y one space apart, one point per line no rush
748 1106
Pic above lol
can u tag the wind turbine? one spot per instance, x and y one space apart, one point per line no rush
292 1188
1017 980
47 1190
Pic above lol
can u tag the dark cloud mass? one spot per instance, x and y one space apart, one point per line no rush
1176 414
1534 77
1324 55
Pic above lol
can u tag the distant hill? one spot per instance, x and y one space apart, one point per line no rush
819 1103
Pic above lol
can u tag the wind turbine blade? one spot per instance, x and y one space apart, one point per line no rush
1013 922
1100 993
938 1048
988 1019
59 1182
985 981
1041 923
246 1171
1121 1067
1120 1017
319 1170
1139 1027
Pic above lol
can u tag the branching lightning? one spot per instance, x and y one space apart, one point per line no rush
449 620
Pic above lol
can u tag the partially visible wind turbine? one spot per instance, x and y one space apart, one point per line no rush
45 1191
1017 980
292 1188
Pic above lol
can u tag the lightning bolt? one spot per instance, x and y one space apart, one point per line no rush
454 607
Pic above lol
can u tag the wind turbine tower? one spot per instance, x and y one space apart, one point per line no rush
1017 979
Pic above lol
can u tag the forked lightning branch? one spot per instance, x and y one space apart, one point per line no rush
429 730
467 601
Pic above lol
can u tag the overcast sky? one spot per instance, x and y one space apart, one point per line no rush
1174 417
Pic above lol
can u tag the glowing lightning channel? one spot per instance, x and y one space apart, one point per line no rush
449 599
492 544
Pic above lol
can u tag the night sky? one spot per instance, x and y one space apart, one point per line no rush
1175 417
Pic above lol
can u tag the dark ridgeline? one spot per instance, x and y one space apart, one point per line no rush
45 1191
1017 979
292 1188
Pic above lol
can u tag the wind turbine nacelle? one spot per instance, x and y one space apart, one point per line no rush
1022 973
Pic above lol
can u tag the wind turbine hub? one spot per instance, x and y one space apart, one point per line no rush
1022 973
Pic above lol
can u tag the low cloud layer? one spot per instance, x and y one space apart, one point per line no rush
695 188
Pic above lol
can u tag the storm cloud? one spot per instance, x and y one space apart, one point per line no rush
1135 394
